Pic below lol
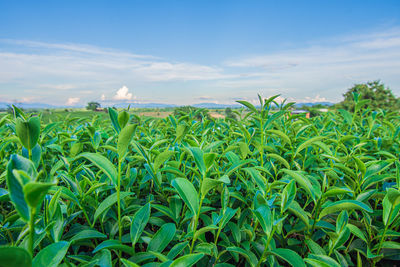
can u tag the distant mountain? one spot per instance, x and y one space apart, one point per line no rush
4 105
216 106
144 105
28 105
314 104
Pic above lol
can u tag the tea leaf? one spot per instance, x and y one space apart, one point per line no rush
344 205
187 192
52 255
139 222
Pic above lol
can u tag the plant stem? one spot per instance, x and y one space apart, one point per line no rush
196 220
263 256
262 141
31 231
119 202
315 216
384 231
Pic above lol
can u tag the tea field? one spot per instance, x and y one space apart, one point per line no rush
267 189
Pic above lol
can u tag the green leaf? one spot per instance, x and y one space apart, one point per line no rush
162 238
103 258
281 134
14 257
314 247
299 212
4 195
187 260
393 196
391 245
388 209
108 202
302 180
159 256
14 185
188 193
28 131
103 164
346 115
129 263
36 154
250 257
177 249
360 165
139 221
341 221
209 184
248 105
279 159
288 195
198 156
289 256
35 192
18 113
357 232
123 118
264 216
52 255
307 143
344 205
114 244
180 132
124 139
204 230
209 159
87 234
335 191
114 119
258 178
227 216
161 158
321 261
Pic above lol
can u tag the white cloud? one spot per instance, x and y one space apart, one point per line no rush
327 69
72 101
317 72
315 99
58 86
123 94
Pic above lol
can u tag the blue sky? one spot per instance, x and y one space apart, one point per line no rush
185 52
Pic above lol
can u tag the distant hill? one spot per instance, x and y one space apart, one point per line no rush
28 105
4 105
215 106
144 105
314 104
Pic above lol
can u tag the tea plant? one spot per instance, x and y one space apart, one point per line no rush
267 188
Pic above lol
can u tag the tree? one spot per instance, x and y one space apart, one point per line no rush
376 92
93 106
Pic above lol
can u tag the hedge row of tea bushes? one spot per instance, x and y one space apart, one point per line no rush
268 189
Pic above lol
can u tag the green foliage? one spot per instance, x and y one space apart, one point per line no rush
377 95
93 106
230 114
197 113
266 189
14 257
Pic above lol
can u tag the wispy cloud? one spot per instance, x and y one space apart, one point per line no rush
320 71
90 62
327 67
